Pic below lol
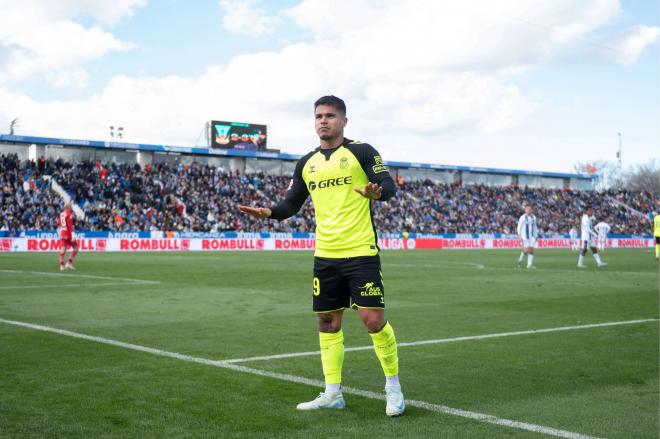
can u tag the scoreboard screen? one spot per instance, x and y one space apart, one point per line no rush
238 135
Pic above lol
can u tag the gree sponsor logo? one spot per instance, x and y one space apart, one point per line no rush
330 182
370 290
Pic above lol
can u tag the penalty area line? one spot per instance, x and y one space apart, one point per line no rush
437 408
448 340
86 276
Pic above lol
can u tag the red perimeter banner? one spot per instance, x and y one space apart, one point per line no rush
287 244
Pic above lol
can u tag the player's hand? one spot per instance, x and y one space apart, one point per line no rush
371 190
259 212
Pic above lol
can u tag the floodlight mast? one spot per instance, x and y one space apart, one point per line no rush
116 132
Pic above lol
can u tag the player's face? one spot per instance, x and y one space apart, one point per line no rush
528 210
329 122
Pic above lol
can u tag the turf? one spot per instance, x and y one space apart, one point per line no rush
598 381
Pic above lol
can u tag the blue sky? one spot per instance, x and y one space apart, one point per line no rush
171 38
533 85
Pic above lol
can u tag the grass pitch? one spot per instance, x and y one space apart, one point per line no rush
599 381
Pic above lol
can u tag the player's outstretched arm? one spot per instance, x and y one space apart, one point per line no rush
289 206
258 212
293 199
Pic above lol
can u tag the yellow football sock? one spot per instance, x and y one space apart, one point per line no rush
657 250
385 347
332 355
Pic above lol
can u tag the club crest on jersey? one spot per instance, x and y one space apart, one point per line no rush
311 169
343 163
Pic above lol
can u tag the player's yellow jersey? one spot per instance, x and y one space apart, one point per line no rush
344 225
343 217
656 226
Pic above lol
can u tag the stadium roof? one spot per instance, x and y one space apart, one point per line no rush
262 154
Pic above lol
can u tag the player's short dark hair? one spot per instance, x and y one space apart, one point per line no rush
332 101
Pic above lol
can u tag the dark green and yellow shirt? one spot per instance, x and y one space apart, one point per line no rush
344 225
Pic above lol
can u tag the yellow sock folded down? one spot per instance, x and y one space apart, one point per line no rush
385 347
332 355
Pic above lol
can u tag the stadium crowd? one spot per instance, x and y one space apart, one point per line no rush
178 197
26 202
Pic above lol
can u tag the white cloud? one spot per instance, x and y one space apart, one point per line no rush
244 17
410 75
42 38
633 44
445 35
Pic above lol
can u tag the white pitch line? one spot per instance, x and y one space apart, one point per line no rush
577 270
447 340
513 268
49 287
87 276
465 264
437 408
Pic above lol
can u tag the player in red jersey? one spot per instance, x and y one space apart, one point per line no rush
66 225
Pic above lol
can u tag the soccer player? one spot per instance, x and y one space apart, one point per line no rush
602 229
343 177
588 236
67 238
528 232
656 234
575 242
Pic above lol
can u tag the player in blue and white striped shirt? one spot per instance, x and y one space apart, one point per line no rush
528 232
